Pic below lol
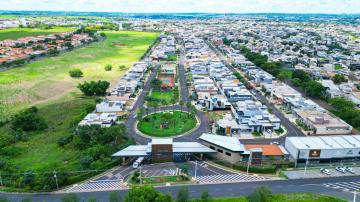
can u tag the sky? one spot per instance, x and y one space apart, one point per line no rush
186 6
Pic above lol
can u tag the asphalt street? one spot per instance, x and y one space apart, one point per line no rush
216 190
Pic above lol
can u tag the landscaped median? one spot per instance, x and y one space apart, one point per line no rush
135 179
167 123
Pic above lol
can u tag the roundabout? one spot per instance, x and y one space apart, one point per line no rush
167 123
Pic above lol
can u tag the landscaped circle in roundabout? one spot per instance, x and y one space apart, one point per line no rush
167 123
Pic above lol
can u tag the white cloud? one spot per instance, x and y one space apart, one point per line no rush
215 6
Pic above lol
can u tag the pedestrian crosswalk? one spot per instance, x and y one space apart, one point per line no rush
228 178
101 185
344 186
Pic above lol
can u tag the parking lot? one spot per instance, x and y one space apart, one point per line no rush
316 173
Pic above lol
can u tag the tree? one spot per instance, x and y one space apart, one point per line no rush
69 45
70 198
75 73
302 75
314 89
339 78
29 120
108 67
114 197
261 194
156 84
94 88
205 197
122 67
145 194
140 113
102 34
3 199
183 195
181 103
296 82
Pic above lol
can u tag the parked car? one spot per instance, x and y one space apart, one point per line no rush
325 171
276 143
349 170
340 169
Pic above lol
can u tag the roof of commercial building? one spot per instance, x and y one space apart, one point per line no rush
230 143
326 142
267 150
178 147
133 150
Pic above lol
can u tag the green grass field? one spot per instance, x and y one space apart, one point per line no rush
15 33
48 79
178 123
47 85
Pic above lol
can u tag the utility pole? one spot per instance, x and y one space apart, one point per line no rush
56 180
249 162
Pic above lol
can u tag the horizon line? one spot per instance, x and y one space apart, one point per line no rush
232 13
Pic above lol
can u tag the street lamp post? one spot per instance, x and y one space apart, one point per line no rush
307 161
249 162
354 199
195 168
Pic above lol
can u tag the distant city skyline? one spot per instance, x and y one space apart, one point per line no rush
188 6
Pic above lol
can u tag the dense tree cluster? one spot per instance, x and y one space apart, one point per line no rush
28 120
94 88
312 88
345 109
274 68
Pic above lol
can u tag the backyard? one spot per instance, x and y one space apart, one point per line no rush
167 124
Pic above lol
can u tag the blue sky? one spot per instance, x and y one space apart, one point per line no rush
213 6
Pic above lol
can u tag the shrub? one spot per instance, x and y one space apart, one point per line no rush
108 67
64 140
29 120
94 87
76 73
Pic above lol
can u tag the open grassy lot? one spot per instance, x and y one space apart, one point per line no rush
48 79
167 124
291 197
158 98
47 85
15 33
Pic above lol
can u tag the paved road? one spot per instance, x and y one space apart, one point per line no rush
319 186
130 123
182 78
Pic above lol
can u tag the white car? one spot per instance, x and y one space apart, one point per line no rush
276 143
349 170
325 171
340 169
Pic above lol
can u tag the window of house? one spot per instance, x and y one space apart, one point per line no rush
212 147
227 153
219 150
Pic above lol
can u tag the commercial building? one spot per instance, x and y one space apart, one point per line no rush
323 123
164 150
231 150
323 149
